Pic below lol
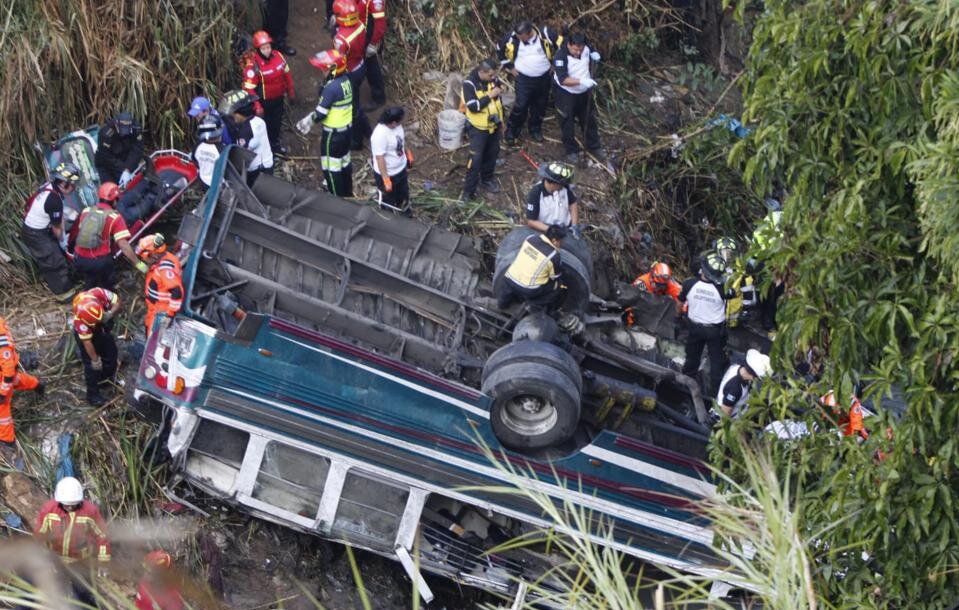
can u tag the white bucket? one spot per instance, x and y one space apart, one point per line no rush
450 125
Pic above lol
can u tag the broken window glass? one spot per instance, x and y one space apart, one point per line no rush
216 453
369 511
291 479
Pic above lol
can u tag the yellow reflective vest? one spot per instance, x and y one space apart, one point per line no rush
535 264
482 111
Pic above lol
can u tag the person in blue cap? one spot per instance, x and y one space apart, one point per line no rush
201 108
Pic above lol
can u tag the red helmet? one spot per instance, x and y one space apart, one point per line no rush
346 12
158 559
108 192
661 272
331 58
151 244
261 38
87 310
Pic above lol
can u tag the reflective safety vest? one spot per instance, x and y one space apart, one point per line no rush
9 359
536 263
478 105
340 112
164 285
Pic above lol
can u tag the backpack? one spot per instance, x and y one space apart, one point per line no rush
90 234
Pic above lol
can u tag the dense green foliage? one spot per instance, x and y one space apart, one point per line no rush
855 108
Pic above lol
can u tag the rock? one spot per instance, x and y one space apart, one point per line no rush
433 75
22 496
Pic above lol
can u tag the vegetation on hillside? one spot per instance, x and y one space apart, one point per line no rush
855 111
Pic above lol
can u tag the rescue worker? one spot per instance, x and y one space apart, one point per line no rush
99 229
350 41
207 151
157 589
659 281
534 275
851 422
706 309
391 159
484 115
372 13
736 383
267 75
163 290
249 131
552 201
527 52
12 379
335 111
766 238
200 109
120 149
73 529
573 85
276 13
93 312
43 229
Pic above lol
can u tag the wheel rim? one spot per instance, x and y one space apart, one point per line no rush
529 415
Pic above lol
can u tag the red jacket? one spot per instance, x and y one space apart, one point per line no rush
351 41
270 78
157 595
373 15
73 534
114 230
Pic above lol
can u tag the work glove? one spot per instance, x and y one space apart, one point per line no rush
125 178
96 364
372 50
142 267
587 82
409 158
305 124
63 241
331 24
595 56
576 231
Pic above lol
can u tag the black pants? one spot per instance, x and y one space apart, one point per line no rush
713 338
273 117
374 76
334 146
538 299
361 127
484 150
573 107
98 272
106 348
275 17
768 303
532 95
399 197
50 260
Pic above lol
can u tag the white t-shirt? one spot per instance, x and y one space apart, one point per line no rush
206 156
260 144
706 304
531 60
578 69
391 143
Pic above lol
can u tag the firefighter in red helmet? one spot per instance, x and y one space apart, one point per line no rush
267 74
99 228
350 40
93 311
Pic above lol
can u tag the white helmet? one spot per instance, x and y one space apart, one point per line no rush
758 362
68 491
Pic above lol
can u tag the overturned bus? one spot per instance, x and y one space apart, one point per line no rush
335 369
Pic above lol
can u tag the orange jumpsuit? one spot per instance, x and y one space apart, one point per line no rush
10 379
646 282
163 289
